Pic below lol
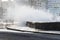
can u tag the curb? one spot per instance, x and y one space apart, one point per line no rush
42 32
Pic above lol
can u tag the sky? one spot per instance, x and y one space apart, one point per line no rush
4 0
7 0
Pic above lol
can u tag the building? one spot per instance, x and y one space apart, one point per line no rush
54 7
0 3
38 4
3 9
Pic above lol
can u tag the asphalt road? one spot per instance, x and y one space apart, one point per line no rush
27 36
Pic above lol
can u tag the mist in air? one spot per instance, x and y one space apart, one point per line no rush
23 13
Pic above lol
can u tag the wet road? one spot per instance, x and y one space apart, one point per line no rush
27 36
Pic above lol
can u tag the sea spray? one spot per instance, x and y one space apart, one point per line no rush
23 13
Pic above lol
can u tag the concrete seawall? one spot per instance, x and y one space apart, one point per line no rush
45 25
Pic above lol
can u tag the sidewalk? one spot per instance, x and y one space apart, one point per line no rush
34 30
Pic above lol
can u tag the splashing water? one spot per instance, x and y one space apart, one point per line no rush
23 13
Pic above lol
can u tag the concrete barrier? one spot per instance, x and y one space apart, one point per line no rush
45 25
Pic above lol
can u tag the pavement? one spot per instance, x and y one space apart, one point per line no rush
13 35
19 35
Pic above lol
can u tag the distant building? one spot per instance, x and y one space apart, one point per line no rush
3 8
54 7
0 3
40 4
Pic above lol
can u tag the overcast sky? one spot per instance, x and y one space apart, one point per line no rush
6 0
